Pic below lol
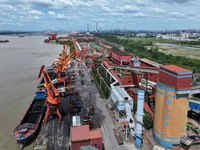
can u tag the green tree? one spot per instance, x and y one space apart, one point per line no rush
198 79
135 108
147 119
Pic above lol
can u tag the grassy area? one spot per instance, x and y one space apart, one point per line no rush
194 54
149 51
154 40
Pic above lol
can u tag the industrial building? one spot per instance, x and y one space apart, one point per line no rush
90 64
82 136
171 105
121 57
118 98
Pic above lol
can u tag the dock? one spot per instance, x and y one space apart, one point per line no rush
56 134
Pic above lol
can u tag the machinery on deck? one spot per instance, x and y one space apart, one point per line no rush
75 106
87 120
53 98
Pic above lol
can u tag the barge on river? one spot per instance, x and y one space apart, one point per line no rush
27 129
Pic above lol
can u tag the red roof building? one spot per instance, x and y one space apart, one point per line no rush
121 57
176 77
90 64
94 57
81 136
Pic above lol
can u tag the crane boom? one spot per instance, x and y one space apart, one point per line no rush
53 98
44 71
67 61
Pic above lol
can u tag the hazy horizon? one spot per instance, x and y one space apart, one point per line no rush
39 15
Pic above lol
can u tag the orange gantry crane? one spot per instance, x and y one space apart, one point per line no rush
77 52
53 98
61 68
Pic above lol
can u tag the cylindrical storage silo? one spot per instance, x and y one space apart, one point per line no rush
170 115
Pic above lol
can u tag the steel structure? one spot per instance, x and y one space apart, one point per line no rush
53 98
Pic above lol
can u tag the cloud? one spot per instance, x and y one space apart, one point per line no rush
36 12
117 14
138 15
61 17
181 14
174 1
129 9
59 4
137 2
123 9
99 19
28 18
106 9
52 13
5 7
56 4
159 10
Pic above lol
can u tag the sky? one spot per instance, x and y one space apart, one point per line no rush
40 15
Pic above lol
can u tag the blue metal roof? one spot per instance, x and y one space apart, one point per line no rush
120 94
76 121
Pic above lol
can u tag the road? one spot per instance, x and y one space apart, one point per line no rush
56 134
177 46
102 117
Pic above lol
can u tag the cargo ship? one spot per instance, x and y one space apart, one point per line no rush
29 126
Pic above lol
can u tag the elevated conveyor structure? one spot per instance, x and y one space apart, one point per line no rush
111 71
139 69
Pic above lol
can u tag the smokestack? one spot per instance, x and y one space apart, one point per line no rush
87 27
139 116
96 26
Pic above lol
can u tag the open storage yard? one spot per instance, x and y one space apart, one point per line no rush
56 134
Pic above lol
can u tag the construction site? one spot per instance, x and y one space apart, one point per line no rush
103 99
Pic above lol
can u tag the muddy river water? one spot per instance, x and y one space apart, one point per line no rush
20 61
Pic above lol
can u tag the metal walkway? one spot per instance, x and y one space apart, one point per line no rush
140 69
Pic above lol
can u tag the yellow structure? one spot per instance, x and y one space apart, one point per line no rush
170 115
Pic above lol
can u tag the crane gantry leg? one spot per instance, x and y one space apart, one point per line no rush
53 109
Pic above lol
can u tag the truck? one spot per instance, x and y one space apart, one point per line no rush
87 120
118 136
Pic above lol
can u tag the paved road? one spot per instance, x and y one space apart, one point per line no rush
102 116
57 135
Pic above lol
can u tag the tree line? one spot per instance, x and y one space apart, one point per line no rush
140 49
101 86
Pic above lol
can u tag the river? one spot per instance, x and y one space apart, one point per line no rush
20 62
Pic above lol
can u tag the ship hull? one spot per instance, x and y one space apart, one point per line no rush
26 131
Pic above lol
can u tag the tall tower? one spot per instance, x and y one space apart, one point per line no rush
139 116
96 26
87 27
171 107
